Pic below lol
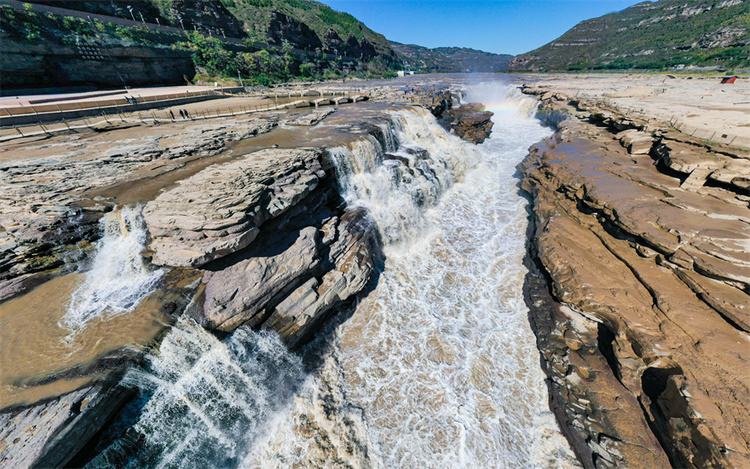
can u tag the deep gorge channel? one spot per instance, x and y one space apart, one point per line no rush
421 357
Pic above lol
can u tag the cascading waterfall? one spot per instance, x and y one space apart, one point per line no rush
204 401
439 360
437 367
398 179
118 278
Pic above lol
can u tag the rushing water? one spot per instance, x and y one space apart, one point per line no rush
118 278
436 367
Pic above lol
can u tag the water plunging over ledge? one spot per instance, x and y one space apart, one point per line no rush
436 367
48 348
118 278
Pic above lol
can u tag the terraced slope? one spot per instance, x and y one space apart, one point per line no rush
652 35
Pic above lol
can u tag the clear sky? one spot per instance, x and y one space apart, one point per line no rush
499 26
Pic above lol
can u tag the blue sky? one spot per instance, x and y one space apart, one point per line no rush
500 26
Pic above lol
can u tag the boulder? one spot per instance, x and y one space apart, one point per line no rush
470 122
291 285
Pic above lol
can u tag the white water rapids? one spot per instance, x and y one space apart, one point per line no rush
118 278
436 367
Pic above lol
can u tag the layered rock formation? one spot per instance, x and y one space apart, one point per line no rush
279 251
282 29
639 289
261 239
45 202
469 121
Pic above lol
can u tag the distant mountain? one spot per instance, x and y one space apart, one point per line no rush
449 59
651 35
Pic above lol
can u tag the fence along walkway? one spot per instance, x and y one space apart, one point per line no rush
151 117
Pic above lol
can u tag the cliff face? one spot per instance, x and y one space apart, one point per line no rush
49 42
202 15
27 66
651 35
638 289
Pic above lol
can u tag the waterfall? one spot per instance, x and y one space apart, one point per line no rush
399 178
437 367
118 278
204 401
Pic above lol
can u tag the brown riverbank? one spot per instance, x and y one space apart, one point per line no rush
640 279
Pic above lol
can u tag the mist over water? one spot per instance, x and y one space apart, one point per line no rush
436 367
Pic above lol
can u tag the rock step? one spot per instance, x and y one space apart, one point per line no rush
696 179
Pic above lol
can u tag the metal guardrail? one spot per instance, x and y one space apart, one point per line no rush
95 104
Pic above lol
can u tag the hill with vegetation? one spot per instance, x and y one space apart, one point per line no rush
449 59
652 35
258 41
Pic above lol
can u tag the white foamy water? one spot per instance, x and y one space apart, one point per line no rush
438 366
118 278
204 401
397 180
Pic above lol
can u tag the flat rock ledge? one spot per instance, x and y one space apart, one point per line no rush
219 210
639 289
50 433
47 220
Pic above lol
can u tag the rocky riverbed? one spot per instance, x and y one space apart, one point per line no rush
236 230
639 286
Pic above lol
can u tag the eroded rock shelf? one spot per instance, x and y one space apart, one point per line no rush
639 288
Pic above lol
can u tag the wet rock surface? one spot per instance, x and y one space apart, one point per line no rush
311 118
46 210
261 239
469 121
49 434
639 288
